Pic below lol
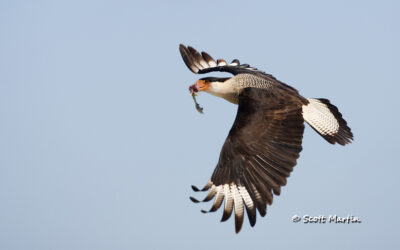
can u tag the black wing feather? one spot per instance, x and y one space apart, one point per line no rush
259 153
204 63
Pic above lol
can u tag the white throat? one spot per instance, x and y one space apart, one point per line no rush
227 90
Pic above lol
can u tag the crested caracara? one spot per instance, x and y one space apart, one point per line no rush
265 140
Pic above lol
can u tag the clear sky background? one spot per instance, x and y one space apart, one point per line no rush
100 141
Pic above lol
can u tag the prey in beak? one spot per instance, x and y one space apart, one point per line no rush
200 85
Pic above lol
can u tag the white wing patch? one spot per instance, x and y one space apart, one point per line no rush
221 62
246 197
212 63
318 115
235 196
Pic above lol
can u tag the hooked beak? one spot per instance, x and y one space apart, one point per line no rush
193 89
200 85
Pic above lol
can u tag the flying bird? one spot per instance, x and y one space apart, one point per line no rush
265 140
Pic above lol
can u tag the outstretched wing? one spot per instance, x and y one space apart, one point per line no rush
200 63
258 155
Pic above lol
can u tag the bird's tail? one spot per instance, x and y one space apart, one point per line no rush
326 119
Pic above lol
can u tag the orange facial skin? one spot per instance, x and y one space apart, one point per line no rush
202 85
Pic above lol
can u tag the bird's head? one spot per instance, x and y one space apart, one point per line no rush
205 84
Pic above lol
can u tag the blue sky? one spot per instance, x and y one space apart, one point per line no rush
100 140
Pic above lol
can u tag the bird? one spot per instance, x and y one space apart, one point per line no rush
264 143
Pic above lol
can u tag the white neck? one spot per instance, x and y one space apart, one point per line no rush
227 90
